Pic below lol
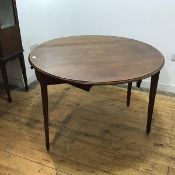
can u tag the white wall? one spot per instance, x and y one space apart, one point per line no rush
148 21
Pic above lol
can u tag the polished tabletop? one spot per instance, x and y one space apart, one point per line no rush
96 59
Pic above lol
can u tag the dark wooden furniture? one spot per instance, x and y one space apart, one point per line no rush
10 41
86 61
138 84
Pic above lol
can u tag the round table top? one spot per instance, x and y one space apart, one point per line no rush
96 59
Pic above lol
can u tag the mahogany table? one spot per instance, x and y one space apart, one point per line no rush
85 61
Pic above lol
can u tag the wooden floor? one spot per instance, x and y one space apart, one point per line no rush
91 133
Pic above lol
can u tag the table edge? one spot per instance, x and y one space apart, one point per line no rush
100 83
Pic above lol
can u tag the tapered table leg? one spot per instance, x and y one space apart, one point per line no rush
23 68
129 93
138 84
152 95
5 80
44 94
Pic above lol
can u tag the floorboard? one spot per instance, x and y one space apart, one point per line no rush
90 133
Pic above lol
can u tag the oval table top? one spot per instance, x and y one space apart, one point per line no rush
96 60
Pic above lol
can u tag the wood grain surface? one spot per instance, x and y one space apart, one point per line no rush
90 133
97 59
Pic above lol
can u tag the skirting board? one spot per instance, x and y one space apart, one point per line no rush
145 84
161 86
19 82
16 82
31 79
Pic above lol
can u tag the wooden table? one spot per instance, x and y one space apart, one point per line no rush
85 61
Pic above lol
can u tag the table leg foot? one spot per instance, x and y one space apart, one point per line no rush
152 95
129 93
